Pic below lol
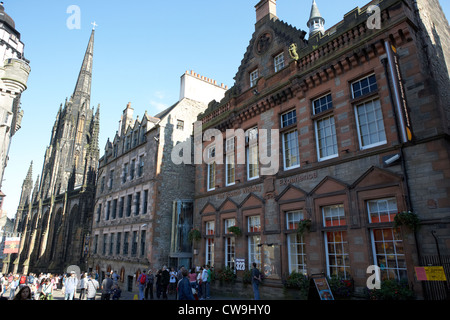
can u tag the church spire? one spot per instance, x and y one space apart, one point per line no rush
82 91
316 22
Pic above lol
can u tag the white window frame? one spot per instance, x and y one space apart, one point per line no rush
333 137
278 62
229 223
295 147
251 136
211 169
332 210
294 240
254 77
347 274
360 139
229 161
359 80
391 211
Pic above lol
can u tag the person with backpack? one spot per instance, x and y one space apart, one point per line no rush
142 282
149 287
92 286
22 281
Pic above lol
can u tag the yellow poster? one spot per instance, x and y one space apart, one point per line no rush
430 274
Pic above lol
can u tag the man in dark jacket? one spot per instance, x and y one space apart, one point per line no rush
184 287
165 282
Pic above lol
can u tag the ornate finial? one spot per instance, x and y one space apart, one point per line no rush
94 25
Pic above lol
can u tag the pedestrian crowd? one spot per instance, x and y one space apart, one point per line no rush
185 284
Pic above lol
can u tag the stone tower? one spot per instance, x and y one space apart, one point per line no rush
316 22
55 225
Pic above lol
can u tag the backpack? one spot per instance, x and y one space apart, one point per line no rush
143 278
23 279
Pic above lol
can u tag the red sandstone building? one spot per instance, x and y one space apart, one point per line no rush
363 120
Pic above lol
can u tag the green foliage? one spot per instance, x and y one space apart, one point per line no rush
304 225
408 219
226 275
298 281
341 287
194 235
235 230
391 290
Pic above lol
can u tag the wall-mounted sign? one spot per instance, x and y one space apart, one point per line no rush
430 273
240 264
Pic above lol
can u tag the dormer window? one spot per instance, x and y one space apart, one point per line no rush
278 62
253 77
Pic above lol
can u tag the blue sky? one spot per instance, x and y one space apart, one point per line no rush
141 50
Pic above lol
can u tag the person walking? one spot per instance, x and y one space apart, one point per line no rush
165 277
70 286
83 286
47 290
172 281
142 284
13 286
184 287
116 292
158 283
107 287
205 283
91 287
256 279
149 287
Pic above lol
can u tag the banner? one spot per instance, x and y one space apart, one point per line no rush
12 245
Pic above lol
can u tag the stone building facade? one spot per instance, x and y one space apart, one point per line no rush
357 132
144 202
14 72
54 217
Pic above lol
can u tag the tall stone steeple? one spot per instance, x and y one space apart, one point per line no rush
82 93
316 22
25 199
70 151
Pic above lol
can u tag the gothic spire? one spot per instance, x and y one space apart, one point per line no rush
316 22
82 91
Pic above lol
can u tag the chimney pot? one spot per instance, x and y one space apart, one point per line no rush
265 8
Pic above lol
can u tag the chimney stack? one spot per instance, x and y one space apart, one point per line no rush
266 8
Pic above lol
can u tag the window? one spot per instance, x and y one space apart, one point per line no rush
141 166
102 185
334 216
369 120
252 154
230 252
180 124
291 158
114 209
336 248
95 244
254 224
111 179
119 236
111 244
132 169
121 206
124 172
108 210
209 228
229 223
137 204
254 251
105 240
364 86
278 62
326 138
322 104
99 212
143 243
253 78
211 178
389 254
125 243
229 162
134 244
129 202
295 243
145 202
382 210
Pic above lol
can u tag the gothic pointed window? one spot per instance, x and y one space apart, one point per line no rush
80 130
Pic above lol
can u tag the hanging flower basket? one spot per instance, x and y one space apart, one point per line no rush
408 219
235 230
194 235
304 225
